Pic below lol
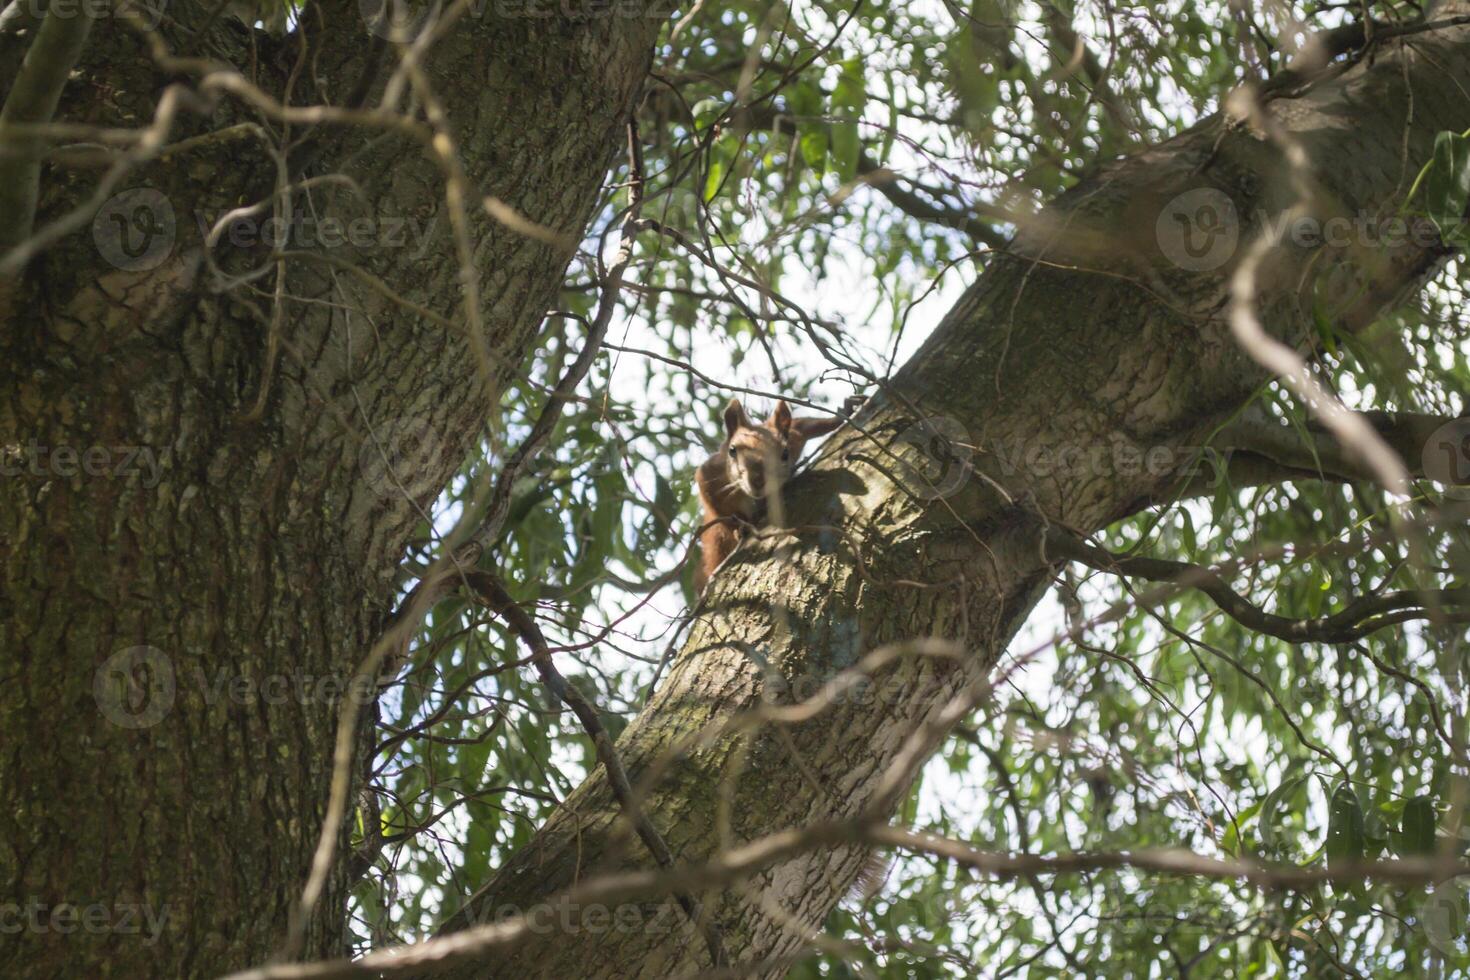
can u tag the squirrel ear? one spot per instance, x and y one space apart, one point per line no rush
810 428
781 417
735 417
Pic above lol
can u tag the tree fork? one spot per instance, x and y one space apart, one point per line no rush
1085 333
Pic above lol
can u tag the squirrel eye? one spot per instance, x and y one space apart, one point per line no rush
785 454
732 451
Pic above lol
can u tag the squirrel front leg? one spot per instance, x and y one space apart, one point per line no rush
721 521
716 542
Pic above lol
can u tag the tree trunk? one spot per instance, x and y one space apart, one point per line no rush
1074 376
186 587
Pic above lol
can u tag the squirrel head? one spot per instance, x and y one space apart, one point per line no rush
760 456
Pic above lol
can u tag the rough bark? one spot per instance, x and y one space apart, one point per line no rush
252 560
1085 335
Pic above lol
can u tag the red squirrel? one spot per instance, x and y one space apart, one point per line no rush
733 483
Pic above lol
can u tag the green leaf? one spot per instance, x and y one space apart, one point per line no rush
1273 958
1326 331
1447 187
1230 840
806 102
976 84
814 147
1315 596
1345 837
1269 806
848 101
1375 830
1419 823
665 501
845 148
718 163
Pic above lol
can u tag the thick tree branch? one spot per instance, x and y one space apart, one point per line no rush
889 184
375 403
1360 617
1315 452
1325 47
1257 450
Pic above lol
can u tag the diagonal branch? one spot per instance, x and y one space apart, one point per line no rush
1362 616
1325 47
1315 452
887 183
890 185
1257 450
